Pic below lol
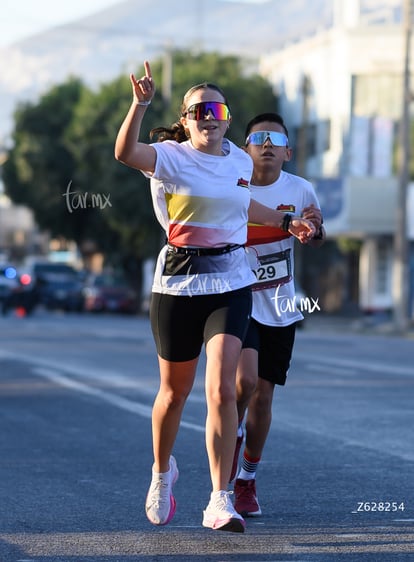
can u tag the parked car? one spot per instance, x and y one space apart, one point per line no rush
109 293
15 292
56 285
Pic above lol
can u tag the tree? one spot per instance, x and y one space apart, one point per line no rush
248 94
97 119
91 138
62 164
40 166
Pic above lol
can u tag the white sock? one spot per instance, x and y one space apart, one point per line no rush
246 475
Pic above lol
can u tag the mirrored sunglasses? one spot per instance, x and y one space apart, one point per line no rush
217 110
260 137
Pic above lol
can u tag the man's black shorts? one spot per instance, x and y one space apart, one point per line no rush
274 345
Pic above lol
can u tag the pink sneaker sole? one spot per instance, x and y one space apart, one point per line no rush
173 503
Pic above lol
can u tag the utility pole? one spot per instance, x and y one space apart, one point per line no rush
401 270
301 159
167 70
303 129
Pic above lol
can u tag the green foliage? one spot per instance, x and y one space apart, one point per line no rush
68 138
40 165
247 95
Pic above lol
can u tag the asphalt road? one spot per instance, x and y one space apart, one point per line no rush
335 484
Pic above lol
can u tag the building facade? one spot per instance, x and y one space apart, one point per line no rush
341 93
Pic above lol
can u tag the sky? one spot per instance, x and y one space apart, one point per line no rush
23 18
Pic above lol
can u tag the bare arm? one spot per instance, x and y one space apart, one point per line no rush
128 150
301 228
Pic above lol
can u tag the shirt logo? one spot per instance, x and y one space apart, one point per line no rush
242 182
286 208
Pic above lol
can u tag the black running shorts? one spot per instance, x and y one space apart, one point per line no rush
181 324
274 345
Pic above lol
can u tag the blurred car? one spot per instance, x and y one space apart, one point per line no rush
15 291
109 293
8 284
56 285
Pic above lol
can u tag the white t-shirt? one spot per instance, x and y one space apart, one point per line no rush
274 302
201 200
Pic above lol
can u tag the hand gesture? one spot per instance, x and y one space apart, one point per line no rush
143 89
302 229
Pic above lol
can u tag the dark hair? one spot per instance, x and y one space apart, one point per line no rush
272 117
176 131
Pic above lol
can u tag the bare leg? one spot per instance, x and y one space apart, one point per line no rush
223 351
176 382
259 418
246 379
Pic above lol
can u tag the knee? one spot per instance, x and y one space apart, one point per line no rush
246 385
261 402
173 399
222 395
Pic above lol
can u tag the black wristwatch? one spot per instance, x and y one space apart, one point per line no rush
287 219
319 234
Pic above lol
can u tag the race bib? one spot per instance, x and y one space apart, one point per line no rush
272 270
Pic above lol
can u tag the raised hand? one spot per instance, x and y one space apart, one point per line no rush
144 88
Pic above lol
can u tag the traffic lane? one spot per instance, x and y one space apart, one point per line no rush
112 345
106 355
362 410
322 481
68 460
83 477
191 456
79 540
375 350
350 399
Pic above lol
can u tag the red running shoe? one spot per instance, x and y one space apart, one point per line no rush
246 502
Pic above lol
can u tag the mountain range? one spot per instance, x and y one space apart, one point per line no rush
118 39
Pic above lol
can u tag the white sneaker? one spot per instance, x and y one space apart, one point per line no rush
221 515
160 504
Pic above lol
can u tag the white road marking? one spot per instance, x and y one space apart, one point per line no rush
111 398
359 365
